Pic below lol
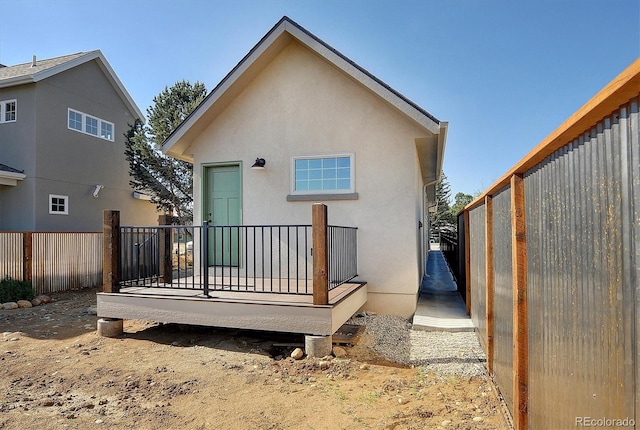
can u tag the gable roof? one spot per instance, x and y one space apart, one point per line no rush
258 57
27 73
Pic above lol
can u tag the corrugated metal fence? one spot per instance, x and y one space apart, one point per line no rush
58 261
576 362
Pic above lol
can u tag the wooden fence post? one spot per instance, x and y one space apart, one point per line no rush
27 256
110 252
467 261
166 241
320 254
489 276
520 310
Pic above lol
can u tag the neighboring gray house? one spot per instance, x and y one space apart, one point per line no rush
62 162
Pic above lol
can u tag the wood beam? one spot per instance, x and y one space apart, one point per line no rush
520 310
490 279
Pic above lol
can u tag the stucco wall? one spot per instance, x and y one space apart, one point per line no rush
66 162
301 105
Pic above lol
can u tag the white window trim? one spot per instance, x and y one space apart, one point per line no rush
352 179
66 204
3 110
84 125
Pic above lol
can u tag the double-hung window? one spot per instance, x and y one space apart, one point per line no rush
8 111
325 174
89 124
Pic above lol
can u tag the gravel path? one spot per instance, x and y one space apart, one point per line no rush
446 353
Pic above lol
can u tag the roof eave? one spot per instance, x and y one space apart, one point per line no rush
178 141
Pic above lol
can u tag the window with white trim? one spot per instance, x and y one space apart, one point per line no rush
8 111
58 205
326 174
89 124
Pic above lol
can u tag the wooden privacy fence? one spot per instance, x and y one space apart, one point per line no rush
52 262
552 270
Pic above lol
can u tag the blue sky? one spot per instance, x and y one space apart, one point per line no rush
504 73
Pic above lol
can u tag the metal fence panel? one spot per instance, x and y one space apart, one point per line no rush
582 250
478 275
66 261
503 295
11 255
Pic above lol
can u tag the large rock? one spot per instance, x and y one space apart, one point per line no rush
297 354
24 304
10 305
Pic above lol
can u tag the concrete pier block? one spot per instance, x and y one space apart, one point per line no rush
317 346
109 327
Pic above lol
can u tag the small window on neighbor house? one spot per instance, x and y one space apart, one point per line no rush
332 174
58 205
8 111
91 125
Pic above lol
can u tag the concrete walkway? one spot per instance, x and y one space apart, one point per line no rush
440 306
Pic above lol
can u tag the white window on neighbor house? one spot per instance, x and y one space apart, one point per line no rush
89 124
326 174
8 111
58 205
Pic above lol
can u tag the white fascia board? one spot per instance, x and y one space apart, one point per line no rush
106 68
14 82
363 78
11 178
224 85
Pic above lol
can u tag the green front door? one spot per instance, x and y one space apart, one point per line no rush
222 209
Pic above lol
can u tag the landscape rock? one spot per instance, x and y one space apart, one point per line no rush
297 354
10 305
339 352
44 299
24 304
1 306
323 364
36 302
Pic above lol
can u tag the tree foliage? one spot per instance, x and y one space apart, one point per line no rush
460 201
443 218
167 180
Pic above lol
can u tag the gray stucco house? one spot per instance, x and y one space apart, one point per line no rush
62 162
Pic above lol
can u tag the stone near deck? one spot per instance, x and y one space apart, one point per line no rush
317 346
108 327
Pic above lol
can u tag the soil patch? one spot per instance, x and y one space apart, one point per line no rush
56 372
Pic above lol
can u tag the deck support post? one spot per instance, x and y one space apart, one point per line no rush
318 346
110 327
166 269
110 252
520 309
320 254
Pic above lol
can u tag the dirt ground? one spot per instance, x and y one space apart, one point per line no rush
56 372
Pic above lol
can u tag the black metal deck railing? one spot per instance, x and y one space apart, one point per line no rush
251 258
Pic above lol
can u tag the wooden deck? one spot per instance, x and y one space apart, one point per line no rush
254 309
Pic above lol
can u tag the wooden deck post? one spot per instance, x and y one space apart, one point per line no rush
166 241
489 276
27 256
110 252
520 311
320 254
467 261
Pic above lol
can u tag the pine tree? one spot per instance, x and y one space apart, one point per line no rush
443 219
167 180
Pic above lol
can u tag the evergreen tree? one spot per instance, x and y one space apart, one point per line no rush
443 219
461 200
167 180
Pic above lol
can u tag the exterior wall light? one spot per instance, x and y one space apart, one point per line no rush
97 190
259 164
